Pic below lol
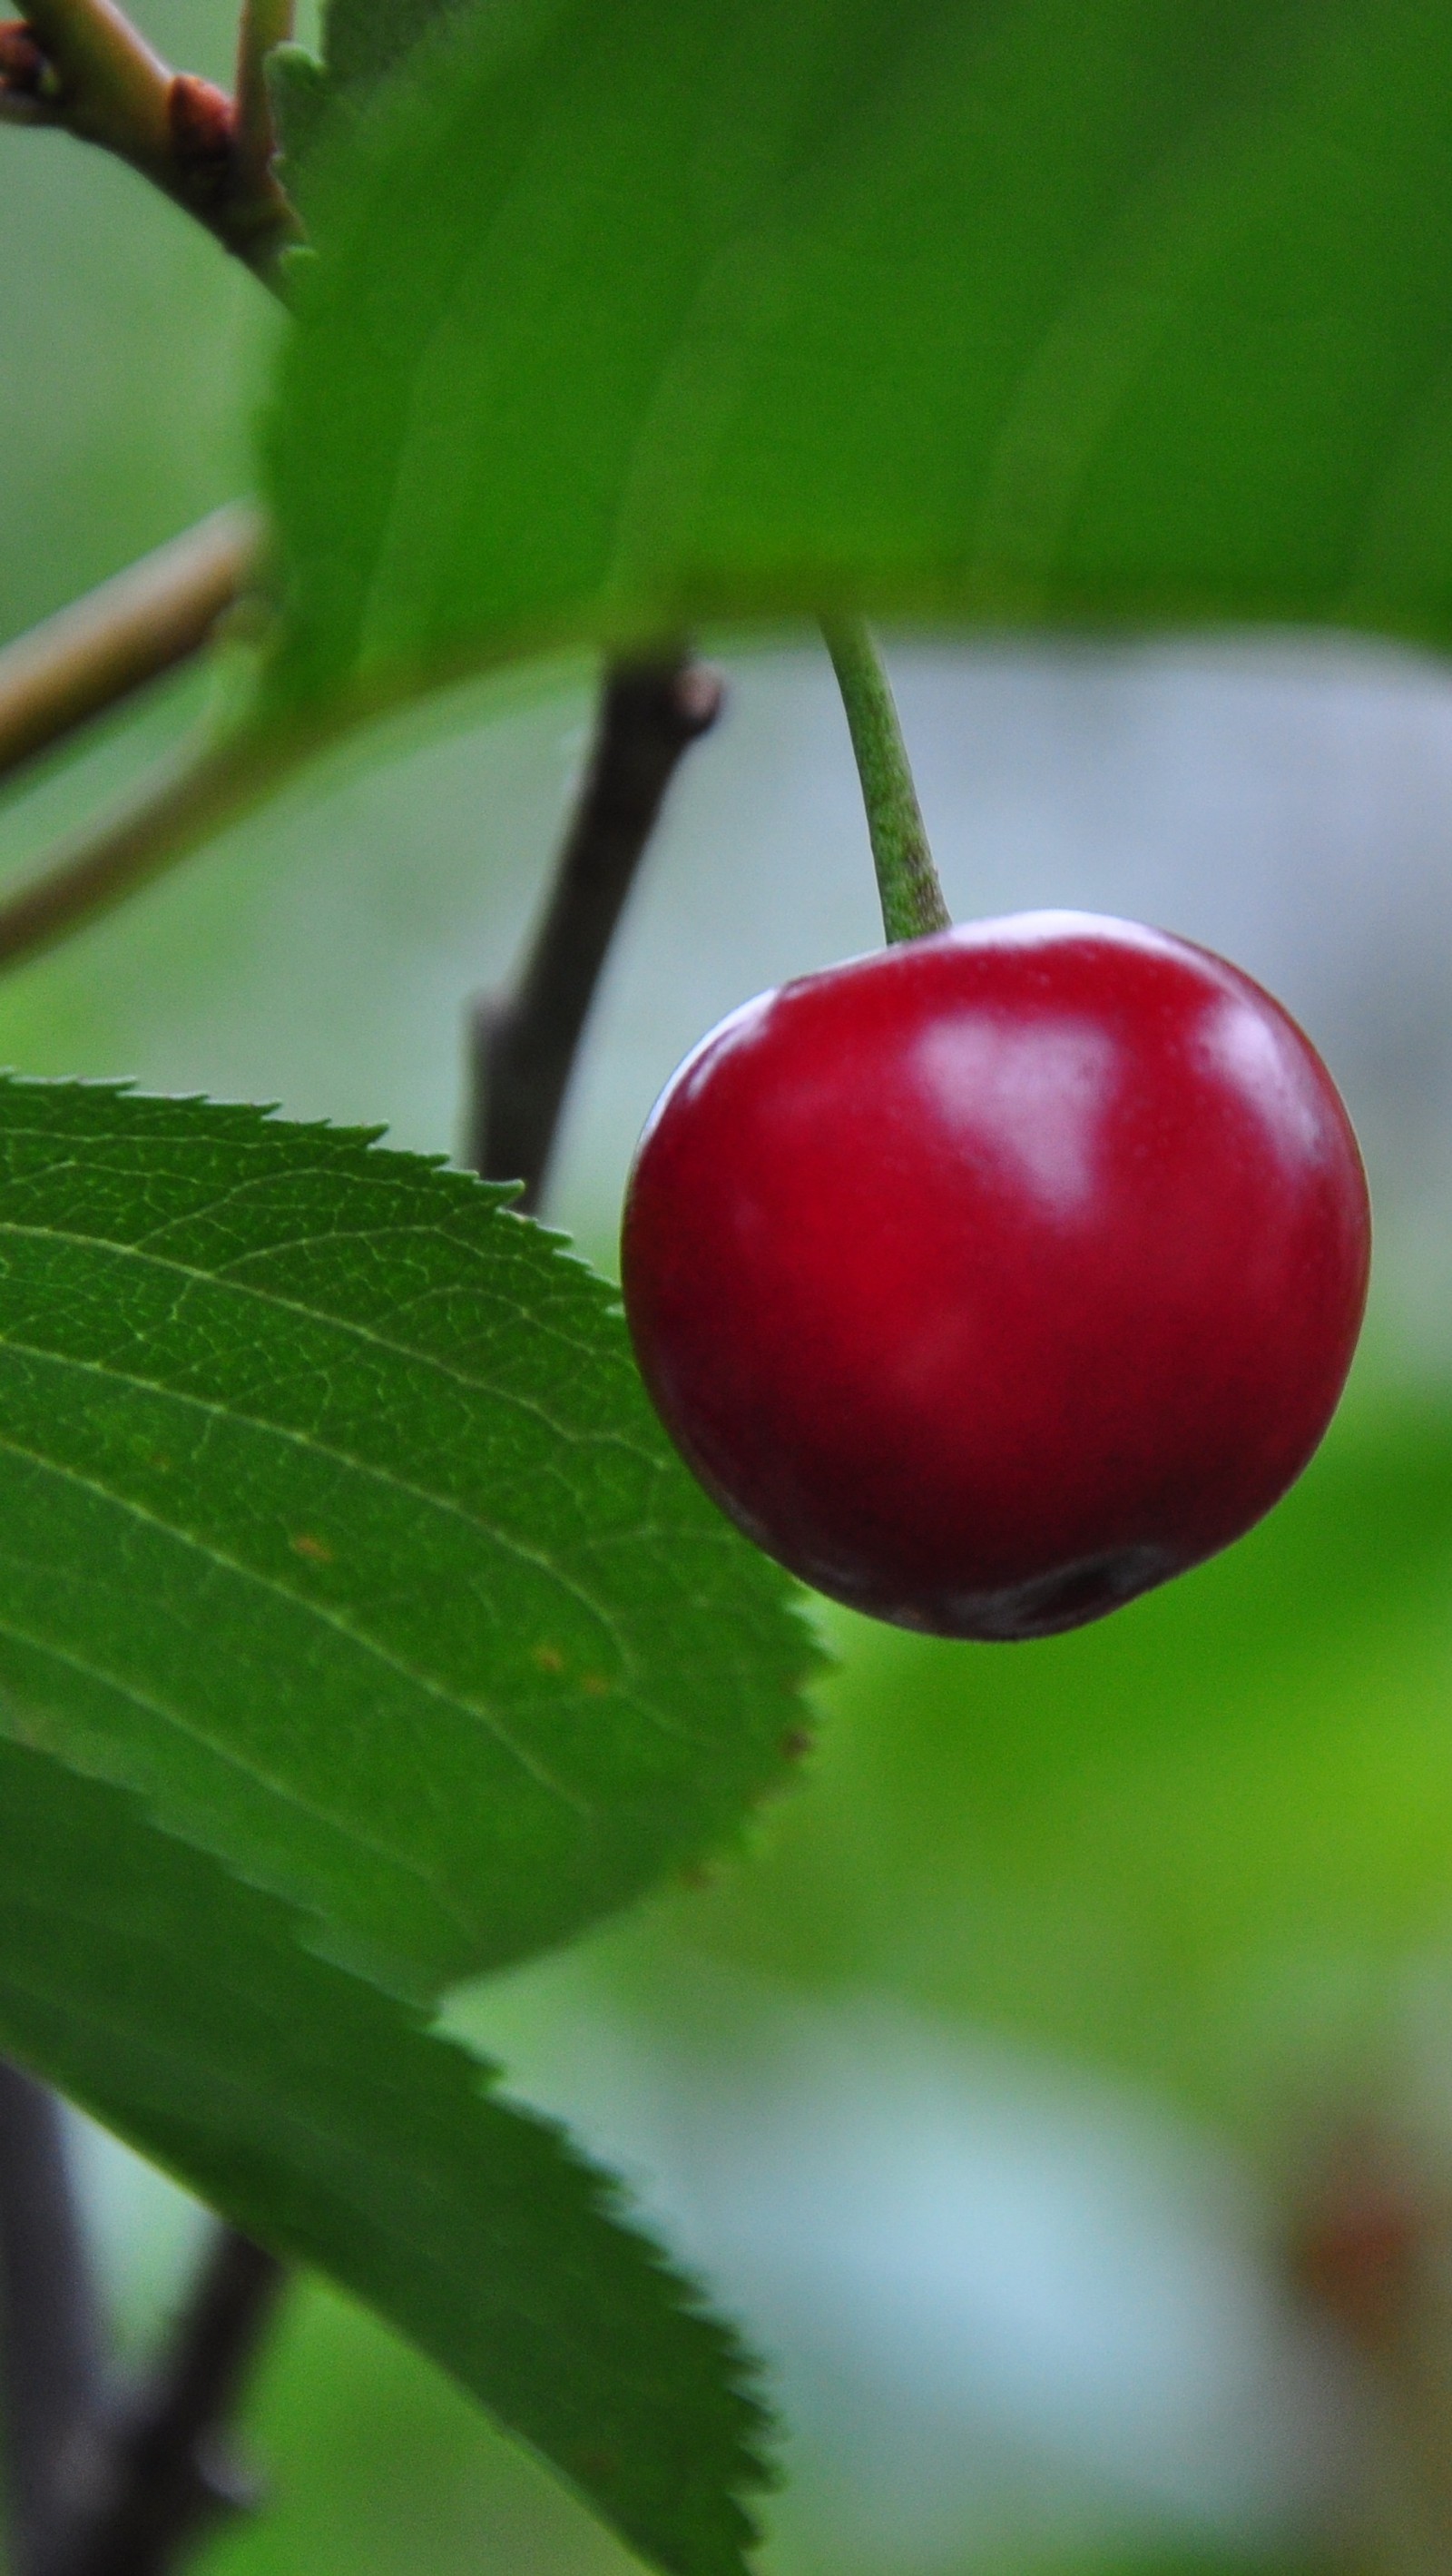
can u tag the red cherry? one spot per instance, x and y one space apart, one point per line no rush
989 1281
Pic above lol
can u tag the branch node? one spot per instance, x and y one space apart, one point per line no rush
697 698
26 70
200 121
49 2326
82 65
169 2471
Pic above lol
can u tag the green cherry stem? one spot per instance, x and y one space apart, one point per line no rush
907 881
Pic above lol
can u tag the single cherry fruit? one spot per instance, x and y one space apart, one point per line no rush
989 1281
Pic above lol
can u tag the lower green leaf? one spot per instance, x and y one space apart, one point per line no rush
334 1521
180 2007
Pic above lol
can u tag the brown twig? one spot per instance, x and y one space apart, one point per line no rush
92 2489
93 655
82 66
49 2326
137 843
522 1049
165 2475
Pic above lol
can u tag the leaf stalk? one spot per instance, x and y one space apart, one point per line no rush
261 25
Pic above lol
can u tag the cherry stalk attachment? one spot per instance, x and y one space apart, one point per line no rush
992 1280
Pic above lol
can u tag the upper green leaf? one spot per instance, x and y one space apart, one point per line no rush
320 2115
334 1521
364 40
989 309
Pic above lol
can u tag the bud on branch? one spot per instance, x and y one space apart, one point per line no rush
82 66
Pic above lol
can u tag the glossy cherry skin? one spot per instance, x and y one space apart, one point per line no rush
990 1280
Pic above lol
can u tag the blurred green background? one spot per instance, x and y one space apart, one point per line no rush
993 2086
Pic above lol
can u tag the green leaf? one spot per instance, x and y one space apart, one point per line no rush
364 40
319 2114
367 39
334 1521
299 91
995 310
